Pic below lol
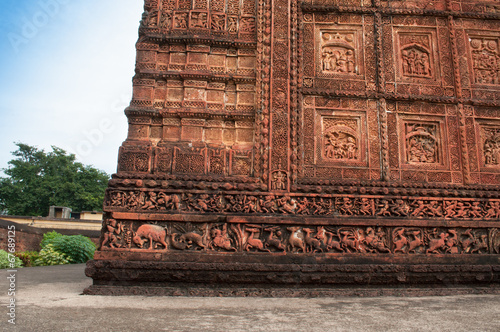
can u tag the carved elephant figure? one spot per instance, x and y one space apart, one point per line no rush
150 233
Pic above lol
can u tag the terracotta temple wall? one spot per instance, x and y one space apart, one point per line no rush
311 131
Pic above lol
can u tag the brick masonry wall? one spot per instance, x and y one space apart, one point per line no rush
28 238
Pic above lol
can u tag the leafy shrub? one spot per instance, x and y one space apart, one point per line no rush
6 264
49 237
28 257
78 248
49 256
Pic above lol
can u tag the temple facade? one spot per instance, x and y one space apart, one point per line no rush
284 145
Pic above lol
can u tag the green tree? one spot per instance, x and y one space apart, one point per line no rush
37 179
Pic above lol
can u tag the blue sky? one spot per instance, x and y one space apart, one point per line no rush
66 69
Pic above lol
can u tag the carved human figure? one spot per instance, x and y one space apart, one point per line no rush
113 229
462 210
476 211
383 208
450 208
493 210
268 205
117 198
199 20
232 24
338 59
150 202
420 208
220 240
491 146
421 143
132 200
400 207
434 209
279 180
149 19
180 20
373 241
415 62
273 240
286 205
339 145
485 60
166 20
303 206
366 207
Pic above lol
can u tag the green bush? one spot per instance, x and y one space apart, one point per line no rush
28 257
5 263
78 248
49 256
49 237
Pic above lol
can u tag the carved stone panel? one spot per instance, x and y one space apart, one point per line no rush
417 56
414 4
339 137
339 52
340 47
483 127
133 160
478 44
424 143
485 58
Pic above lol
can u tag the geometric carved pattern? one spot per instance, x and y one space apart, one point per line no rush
189 162
133 162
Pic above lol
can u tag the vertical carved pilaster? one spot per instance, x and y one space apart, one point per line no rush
280 94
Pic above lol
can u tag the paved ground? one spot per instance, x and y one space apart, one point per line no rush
48 299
